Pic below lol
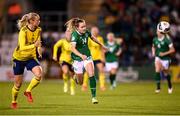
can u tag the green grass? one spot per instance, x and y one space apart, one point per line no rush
130 98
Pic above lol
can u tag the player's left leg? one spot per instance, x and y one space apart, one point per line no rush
166 72
89 66
37 71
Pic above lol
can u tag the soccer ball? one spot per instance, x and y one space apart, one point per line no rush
163 27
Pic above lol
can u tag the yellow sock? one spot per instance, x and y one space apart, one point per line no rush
85 80
72 86
65 78
15 92
34 82
102 79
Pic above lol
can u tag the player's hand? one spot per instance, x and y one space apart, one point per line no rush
105 48
55 59
37 43
161 54
84 57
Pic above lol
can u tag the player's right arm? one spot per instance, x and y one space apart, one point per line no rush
55 49
153 50
22 42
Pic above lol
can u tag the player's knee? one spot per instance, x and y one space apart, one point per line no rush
80 82
65 72
101 70
18 84
38 75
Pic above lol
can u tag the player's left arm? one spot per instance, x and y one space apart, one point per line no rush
39 49
119 52
171 48
98 42
170 51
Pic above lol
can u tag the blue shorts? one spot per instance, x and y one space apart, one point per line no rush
18 66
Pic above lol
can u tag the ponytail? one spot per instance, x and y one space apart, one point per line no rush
23 21
73 23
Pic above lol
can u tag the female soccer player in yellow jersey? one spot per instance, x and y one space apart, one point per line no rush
29 41
65 61
81 55
98 59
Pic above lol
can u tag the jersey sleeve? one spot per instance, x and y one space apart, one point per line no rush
56 46
73 38
22 41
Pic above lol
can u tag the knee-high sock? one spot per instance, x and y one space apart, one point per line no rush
102 79
158 79
65 79
92 82
112 78
85 79
34 82
168 77
72 84
15 91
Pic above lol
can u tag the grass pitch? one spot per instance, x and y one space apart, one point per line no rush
128 98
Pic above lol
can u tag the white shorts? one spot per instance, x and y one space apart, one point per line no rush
165 63
112 65
79 66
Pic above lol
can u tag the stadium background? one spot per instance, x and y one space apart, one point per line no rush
134 21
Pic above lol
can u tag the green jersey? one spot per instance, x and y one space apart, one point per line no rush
81 41
111 54
162 46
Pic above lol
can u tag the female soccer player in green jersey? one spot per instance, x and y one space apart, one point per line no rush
112 58
162 47
81 54
24 55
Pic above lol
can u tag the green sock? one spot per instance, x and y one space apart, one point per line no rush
92 83
169 81
158 78
112 78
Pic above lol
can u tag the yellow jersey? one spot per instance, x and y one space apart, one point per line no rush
65 50
95 49
26 49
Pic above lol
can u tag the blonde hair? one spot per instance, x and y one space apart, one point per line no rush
25 19
73 23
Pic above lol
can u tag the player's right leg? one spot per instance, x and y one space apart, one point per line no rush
85 82
78 70
158 67
18 69
15 90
